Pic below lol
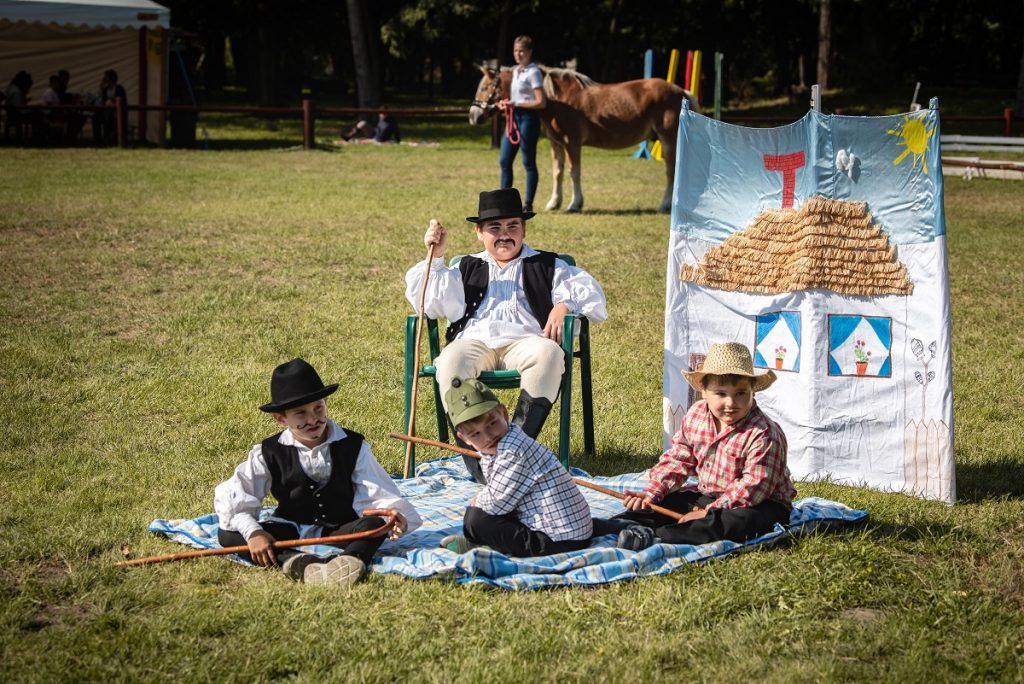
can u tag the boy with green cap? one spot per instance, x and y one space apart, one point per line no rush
323 477
530 505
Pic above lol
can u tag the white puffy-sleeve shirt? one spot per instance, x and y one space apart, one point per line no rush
504 316
239 499
524 81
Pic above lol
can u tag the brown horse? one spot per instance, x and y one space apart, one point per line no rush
581 112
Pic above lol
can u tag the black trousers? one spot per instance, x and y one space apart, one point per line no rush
361 548
506 534
734 524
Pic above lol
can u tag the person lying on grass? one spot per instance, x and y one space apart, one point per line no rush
322 476
530 505
505 307
737 453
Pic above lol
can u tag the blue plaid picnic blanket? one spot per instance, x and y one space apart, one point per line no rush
441 490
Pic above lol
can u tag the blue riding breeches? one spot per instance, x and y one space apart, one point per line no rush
528 121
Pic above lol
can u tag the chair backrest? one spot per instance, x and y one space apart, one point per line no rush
567 258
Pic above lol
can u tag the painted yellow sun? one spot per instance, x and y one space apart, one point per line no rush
915 135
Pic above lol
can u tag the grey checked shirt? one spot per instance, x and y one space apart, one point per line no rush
525 478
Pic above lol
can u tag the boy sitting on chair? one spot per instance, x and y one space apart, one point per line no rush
505 307
530 505
322 476
737 452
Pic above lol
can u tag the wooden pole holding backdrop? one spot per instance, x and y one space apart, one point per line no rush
410 429
288 544
583 483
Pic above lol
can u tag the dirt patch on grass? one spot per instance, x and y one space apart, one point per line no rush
862 615
57 615
1000 574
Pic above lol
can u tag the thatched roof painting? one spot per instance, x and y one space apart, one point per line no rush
828 244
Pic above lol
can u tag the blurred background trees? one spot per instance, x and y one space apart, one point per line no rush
357 50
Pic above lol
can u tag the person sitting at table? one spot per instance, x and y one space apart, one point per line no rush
105 120
73 119
15 97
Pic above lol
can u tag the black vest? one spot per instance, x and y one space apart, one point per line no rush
538 276
299 497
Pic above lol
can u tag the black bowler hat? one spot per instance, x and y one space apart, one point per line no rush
505 203
293 384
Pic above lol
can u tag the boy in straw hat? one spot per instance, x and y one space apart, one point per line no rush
505 307
530 505
737 453
322 476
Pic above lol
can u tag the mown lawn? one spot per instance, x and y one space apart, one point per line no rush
146 295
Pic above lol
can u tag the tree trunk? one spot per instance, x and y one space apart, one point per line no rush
609 51
368 82
1020 86
505 34
824 42
213 62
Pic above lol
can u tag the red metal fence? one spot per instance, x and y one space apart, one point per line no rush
309 113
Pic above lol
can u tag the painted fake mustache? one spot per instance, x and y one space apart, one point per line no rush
313 426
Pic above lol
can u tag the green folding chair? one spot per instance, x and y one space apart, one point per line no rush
509 379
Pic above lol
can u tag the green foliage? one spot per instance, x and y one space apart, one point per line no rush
146 296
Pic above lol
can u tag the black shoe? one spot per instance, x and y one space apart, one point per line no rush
636 538
531 413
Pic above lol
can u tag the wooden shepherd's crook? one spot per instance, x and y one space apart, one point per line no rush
333 539
410 429
583 483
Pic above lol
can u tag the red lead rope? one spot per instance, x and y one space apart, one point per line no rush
511 128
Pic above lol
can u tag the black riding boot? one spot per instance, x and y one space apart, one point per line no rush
531 413
472 464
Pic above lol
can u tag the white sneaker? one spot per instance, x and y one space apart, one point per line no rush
338 570
457 543
295 565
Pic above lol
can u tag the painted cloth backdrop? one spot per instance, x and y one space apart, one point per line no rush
821 245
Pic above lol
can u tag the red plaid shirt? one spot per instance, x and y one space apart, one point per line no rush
742 465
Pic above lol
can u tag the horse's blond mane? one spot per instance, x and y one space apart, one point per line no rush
551 74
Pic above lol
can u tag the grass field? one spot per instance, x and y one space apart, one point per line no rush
145 297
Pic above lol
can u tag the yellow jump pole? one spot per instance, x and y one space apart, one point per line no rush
673 67
695 74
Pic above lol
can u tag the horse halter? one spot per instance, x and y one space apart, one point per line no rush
489 104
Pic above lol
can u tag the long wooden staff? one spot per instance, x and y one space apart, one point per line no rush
411 427
333 539
583 483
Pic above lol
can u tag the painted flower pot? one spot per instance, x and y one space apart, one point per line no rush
862 367
778 363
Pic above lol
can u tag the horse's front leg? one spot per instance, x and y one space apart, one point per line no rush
557 166
668 153
574 173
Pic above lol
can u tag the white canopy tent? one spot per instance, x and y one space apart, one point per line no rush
87 37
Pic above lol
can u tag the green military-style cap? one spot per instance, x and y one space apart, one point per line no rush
468 399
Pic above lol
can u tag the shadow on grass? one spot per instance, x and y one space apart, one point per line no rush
911 533
1003 477
653 211
614 459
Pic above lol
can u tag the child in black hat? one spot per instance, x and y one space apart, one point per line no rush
322 476
505 307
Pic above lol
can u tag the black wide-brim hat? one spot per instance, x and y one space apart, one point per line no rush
293 384
504 203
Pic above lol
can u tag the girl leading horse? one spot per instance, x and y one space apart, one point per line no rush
581 112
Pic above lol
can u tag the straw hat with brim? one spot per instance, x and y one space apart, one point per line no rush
295 383
468 399
729 358
497 204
